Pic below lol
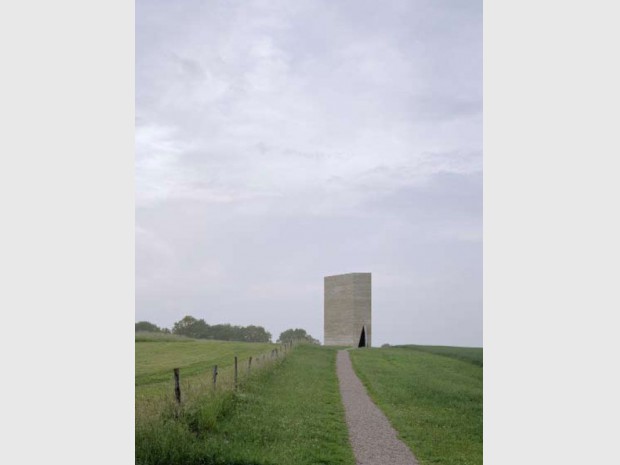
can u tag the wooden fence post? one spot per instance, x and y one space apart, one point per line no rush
250 364
214 376
235 372
177 386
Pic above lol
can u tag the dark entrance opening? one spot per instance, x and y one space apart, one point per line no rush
362 338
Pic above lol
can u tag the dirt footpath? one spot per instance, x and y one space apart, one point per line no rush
372 437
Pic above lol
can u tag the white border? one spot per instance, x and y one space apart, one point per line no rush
67 247
551 232
551 224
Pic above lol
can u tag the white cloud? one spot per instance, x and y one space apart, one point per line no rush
257 111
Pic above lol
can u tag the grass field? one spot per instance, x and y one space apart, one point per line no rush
467 354
434 401
156 356
287 413
146 336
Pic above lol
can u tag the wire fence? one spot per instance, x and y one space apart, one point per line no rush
154 400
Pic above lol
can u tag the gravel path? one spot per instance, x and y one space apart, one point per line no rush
373 439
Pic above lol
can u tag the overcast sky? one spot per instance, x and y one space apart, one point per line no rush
278 142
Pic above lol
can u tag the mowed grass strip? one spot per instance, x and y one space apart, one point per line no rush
467 354
433 401
293 415
290 413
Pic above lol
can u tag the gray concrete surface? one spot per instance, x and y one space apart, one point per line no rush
347 309
372 437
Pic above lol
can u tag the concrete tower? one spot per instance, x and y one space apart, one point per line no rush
347 317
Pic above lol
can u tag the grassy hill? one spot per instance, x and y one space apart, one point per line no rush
288 413
431 396
467 354
157 354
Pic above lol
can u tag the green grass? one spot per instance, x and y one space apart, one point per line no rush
147 336
467 354
155 359
433 401
156 356
288 413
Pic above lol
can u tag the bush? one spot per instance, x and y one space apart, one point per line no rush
295 335
147 327
199 329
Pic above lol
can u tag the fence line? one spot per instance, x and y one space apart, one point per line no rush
236 373
177 386
277 354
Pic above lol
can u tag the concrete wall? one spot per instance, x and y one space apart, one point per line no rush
347 309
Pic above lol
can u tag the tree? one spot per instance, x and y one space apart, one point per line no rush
224 332
256 334
147 326
191 327
297 334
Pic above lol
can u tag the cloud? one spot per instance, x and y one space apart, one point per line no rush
278 141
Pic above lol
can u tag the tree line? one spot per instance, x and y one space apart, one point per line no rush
199 329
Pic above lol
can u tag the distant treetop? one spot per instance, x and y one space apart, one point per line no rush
147 326
296 335
199 329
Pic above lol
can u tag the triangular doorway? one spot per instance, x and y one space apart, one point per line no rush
362 342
